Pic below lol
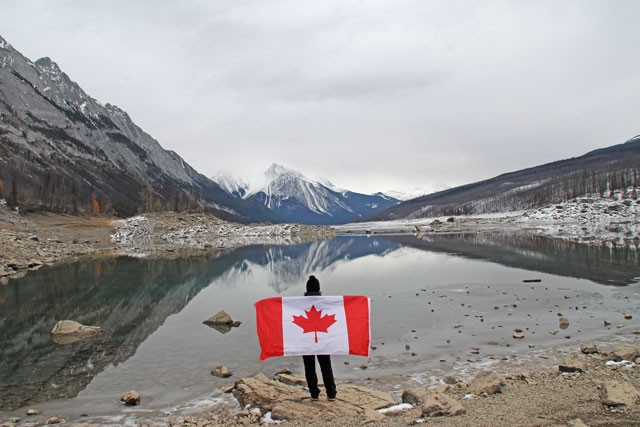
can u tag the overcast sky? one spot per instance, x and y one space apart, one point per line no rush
373 95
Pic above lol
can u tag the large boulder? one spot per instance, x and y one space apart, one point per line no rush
292 402
68 331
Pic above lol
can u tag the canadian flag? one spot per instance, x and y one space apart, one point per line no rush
296 326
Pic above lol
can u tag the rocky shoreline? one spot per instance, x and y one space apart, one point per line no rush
590 387
31 241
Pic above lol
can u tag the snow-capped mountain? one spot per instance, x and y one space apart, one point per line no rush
62 150
295 198
231 183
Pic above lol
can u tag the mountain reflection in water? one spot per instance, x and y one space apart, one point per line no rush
129 298
132 298
601 264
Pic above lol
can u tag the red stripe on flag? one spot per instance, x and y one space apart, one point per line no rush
269 325
356 309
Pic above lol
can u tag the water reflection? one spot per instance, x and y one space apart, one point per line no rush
132 298
601 264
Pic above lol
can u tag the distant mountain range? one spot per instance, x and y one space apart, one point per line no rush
295 198
600 172
62 150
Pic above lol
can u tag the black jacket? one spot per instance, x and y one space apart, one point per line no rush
312 294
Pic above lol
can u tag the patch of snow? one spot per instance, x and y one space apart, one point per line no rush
268 420
396 408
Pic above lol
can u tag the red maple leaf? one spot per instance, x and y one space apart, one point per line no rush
314 322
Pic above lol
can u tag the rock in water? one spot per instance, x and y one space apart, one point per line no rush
222 322
221 371
68 331
564 322
130 398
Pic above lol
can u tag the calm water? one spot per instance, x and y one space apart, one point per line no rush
442 296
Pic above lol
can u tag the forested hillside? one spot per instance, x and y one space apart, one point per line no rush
600 172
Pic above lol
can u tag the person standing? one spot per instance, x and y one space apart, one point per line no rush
313 289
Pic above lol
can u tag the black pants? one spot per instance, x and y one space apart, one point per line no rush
312 378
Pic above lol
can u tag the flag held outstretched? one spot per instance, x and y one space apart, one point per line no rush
285 325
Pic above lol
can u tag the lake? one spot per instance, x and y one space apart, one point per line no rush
441 305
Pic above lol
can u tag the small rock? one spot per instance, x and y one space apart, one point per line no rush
438 404
576 423
518 334
564 322
624 352
413 396
363 366
589 348
486 382
130 398
450 380
34 238
31 412
607 323
628 316
572 363
220 318
222 372
54 420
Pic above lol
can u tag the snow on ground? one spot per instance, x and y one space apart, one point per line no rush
202 230
614 221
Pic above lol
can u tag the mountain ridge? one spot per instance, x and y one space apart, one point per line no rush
601 171
296 198
62 150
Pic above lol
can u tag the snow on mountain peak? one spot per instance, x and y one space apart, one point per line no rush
231 183
46 65
4 44
277 172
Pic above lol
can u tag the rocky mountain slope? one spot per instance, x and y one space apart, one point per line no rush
601 172
62 150
295 198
